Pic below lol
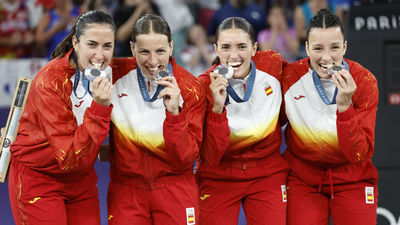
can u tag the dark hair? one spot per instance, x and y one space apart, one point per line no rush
234 23
324 19
151 23
81 24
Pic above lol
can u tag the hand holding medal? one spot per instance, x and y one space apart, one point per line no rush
345 84
170 92
101 85
219 83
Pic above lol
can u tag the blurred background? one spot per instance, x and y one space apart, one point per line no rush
30 30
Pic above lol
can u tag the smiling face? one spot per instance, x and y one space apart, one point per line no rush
326 48
235 48
95 47
152 52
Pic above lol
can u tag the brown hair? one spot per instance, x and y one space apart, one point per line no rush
81 24
151 23
234 23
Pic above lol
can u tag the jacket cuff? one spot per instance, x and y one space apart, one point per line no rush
217 117
174 119
100 110
346 115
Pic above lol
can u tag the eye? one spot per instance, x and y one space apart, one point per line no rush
225 47
160 51
144 52
242 47
317 49
107 46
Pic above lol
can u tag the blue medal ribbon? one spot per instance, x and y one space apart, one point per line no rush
320 89
85 81
143 88
249 87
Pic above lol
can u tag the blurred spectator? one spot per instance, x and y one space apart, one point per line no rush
16 37
36 9
46 4
241 8
101 5
279 37
125 16
55 25
198 54
304 12
178 16
207 9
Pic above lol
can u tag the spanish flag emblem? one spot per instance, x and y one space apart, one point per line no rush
190 216
191 219
369 195
268 89
284 194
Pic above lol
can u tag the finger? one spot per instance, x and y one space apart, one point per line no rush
348 77
338 85
165 83
214 76
341 82
168 92
169 79
99 81
219 86
95 82
103 84
172 80
219 80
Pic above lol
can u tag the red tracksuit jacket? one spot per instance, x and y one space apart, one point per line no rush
49 138
246 134
319 138
149 147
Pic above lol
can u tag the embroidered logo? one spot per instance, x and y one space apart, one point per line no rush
122 95
299 97
34 200
204 196
369 195
267 88
110 217
284 194
190 217
79 104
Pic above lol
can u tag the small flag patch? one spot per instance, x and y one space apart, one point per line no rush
268 89
284 194
369 195
190 217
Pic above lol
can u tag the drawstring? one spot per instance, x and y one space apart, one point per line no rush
330 182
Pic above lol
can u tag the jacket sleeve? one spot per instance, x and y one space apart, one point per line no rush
216 131
75 147
183 133
356 125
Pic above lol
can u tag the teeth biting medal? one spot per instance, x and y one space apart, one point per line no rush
161 74
336 68
92 72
